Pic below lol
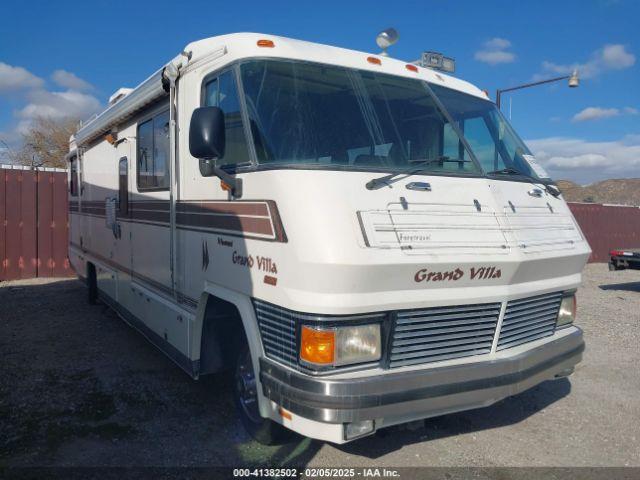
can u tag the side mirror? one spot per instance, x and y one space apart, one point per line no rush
207 143
207 135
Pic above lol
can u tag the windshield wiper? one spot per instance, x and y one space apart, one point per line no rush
550 189
416 168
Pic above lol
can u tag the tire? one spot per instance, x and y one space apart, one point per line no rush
92 284
263 430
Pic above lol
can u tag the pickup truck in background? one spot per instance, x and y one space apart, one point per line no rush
624 259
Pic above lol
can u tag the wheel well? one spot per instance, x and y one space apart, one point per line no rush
222 335
91 273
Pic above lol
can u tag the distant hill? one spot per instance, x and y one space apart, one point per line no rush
622 191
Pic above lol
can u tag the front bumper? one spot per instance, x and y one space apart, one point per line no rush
395 397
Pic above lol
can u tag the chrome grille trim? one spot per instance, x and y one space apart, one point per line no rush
278 331
529 319
442 333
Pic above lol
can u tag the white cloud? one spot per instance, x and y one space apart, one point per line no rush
609 57
70 80
585 161
17 78
595 113
72 102
598 113
497 43
494 57
616 57
57 105
494 51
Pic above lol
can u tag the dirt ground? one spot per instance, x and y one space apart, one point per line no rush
78 387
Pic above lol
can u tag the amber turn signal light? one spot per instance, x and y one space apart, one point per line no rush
317 346
284 413
266 43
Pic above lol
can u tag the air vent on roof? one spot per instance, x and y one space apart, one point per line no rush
119 95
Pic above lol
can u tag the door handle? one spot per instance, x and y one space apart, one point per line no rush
420 186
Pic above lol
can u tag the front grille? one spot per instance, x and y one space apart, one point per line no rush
441 333
278 330
528 319
423 335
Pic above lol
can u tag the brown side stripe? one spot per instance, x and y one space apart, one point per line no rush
150 205
225 208
251 219
251 225
150 216
94 211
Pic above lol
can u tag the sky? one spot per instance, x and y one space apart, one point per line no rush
66 58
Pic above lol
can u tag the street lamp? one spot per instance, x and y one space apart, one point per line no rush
574 81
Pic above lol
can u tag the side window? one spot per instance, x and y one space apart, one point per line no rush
211 93
222 92
153 153
123 187
73 177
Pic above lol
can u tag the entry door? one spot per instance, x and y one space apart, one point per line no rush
122 207
149 202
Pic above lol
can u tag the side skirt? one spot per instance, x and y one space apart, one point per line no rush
191 367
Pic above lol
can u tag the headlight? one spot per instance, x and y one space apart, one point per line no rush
357 344
338 346
567 312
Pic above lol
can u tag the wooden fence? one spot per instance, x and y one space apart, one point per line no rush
33 223
607 227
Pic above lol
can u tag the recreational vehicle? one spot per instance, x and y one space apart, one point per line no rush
361 240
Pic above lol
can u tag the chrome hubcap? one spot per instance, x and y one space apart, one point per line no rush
247 388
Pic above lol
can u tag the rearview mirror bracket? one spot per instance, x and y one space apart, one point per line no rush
208 168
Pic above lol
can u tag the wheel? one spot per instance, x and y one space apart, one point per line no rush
92 284
245 395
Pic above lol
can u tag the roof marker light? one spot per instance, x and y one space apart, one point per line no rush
374 60
266 43
411 67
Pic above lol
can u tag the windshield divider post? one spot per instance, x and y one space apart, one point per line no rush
454 125
244 113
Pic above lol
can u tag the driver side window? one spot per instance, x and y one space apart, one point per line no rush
222 92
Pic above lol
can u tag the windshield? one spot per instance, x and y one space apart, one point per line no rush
303 113
493 141
306 114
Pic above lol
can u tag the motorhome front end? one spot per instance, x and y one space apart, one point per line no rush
364 241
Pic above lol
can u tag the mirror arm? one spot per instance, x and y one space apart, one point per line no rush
233 182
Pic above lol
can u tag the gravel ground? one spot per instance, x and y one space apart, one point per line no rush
79 387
